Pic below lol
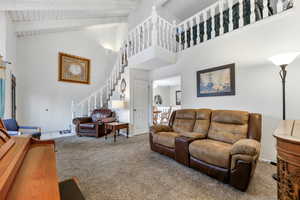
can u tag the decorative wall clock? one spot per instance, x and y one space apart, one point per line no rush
74 69
123 88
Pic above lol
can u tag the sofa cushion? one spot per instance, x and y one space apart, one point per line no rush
184 121
202 121
228 126
87 126
193 135
165 138
212 152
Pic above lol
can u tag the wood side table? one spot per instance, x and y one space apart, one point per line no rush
115 128
288 159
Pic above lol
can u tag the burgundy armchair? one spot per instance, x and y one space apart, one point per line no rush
94 125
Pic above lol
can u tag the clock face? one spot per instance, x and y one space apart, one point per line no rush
75 69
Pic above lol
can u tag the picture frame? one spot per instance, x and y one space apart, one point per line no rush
73 69
217 81
178 97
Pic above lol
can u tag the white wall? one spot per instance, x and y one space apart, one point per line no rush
257 80
44 101
164 92
8 51
173 90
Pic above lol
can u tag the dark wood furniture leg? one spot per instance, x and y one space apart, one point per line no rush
127 135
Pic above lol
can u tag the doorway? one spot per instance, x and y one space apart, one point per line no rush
13 97
140 106
166 98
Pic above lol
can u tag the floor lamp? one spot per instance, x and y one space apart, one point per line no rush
283 60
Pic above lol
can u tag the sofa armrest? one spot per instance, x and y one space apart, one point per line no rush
80 120
248 147
160 128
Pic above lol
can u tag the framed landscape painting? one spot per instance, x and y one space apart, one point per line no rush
218 81
74 69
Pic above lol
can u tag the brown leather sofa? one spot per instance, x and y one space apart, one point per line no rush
221 143
94 125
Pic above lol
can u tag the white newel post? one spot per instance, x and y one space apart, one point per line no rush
279 6
205 25
241 13
230 4
89 106
213 31
221 9
198 20
252 8
154 29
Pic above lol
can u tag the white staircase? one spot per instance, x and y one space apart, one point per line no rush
157 42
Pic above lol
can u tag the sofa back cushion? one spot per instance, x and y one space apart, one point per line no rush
99 114
228 126
202 121
184 121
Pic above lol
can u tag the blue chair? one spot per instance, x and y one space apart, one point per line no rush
13 128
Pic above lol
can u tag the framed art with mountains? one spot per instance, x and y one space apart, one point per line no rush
74 69
218 81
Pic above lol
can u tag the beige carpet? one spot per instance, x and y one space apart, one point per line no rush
128 170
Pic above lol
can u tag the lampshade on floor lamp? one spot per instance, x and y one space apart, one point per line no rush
283 60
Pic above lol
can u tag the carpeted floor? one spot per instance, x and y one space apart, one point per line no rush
129 170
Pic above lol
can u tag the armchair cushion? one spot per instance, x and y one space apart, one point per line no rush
193 135
11 124
160 128
246 146
165 138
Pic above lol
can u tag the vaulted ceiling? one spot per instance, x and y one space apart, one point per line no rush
43 16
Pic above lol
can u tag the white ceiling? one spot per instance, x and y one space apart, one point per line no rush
172 81
45 16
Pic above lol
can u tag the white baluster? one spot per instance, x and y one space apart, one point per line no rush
230 15
173 39
252 8
137 38
192 32
198 20
213 31
144 36
204 25
154 29
266 9
185 35
149 33
221 9
180 38
241 13
95 103
279 6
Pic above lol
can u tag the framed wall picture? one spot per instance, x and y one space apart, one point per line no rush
178 97
218 81
74 69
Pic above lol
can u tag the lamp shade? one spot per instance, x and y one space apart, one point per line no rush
117 104
284 59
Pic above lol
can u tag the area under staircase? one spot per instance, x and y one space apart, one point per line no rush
157 42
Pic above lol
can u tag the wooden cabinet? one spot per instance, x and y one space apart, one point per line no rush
288 159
